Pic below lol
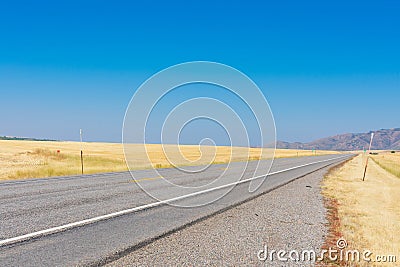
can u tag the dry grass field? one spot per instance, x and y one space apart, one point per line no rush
389 161
368 212
34 159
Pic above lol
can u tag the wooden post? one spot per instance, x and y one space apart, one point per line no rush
369 151
82 160
365 170
80 133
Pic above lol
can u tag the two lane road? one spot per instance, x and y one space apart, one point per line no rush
92 219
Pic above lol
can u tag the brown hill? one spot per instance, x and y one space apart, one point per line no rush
384 139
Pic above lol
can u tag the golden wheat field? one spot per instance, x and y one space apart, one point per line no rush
35 159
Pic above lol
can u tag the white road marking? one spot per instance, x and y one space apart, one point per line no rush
64 227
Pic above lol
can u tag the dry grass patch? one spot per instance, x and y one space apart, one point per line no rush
369 211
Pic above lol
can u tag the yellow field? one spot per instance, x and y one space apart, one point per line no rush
368 211
34 159
389 161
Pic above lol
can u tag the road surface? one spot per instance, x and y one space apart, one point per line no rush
94 219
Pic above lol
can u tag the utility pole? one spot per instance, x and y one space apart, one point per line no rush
369 151
80 133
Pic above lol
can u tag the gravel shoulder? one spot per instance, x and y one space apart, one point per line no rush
292 217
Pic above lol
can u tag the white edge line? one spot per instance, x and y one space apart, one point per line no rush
143 207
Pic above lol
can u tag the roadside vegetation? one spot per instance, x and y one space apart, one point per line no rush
35 159
365 213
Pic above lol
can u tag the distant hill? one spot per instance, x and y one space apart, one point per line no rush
23 138
384 139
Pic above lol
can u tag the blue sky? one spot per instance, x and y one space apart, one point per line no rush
324 67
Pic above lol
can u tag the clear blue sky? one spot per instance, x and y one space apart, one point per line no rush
326 67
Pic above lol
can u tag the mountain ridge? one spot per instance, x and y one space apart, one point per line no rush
384 139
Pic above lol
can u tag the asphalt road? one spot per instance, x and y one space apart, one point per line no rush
30 206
